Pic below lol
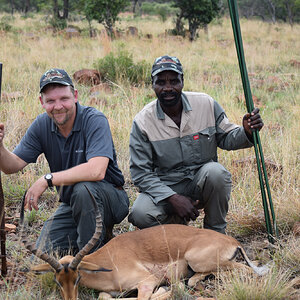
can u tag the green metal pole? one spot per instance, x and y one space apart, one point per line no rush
250 106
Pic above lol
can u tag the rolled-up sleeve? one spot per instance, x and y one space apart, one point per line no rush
141 166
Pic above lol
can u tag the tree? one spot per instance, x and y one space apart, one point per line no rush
271 5
57 6
199 13
103 11
135 3
271 10
292 9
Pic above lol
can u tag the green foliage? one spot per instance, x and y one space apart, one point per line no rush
32 217
58 23
103 11
4 24
121 67
199 13
283 10
163 10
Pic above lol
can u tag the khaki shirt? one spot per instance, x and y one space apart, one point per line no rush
161 154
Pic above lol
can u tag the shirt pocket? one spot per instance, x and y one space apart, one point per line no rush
204 145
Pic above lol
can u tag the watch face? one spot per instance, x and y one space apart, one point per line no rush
48 176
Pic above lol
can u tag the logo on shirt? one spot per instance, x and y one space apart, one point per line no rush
196 137
78 151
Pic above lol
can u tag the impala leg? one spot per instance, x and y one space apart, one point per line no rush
106 296
226 267
192 282
145 288
161 294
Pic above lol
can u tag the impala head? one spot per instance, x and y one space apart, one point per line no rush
67 269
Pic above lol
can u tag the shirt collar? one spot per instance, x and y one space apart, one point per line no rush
77 122
185 104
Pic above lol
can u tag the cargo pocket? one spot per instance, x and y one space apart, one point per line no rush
204 145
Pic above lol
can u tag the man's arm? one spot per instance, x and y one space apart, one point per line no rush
9 162
141 166
93 170
231 136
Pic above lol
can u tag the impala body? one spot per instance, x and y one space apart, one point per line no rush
143 260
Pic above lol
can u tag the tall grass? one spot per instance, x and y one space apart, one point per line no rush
210 66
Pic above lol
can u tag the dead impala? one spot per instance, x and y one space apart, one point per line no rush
143 259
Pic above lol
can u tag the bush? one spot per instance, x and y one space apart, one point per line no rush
4 23
121 67
163 10
58 24
5 26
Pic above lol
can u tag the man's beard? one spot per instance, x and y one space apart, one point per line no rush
63 121
169 103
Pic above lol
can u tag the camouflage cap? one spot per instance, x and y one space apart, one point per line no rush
54 75
166 63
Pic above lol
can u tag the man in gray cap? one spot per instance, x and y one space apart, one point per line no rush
77 143
173 153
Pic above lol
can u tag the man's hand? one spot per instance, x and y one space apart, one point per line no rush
184 207
34 193
252 121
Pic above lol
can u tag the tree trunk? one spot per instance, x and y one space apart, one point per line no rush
66 9
289 8
90 28
12 7
55 9
179 27
108 24
26 6
272 10
205 28
134 5
193 30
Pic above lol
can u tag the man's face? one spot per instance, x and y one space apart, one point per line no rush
168 86
59 103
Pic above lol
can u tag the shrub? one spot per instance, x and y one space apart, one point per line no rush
58 24
4 23
163 10
121 67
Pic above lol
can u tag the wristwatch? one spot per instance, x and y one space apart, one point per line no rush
49 177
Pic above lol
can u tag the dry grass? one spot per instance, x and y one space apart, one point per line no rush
210 65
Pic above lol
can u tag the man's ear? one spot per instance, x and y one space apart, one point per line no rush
76 95
41 100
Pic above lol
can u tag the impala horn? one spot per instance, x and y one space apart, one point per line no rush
31 247
94 239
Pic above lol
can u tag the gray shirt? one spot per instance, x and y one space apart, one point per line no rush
90 137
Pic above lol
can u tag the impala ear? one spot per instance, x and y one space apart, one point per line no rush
91 268
41 269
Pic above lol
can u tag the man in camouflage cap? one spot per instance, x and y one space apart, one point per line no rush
173 153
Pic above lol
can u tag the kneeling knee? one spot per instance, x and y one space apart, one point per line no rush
79 194
218 175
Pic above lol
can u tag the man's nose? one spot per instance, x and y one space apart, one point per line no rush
58 105
168 86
